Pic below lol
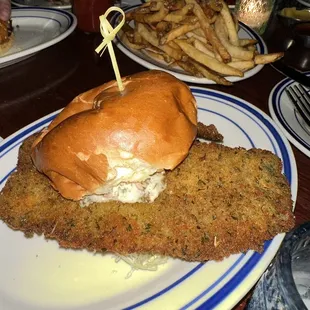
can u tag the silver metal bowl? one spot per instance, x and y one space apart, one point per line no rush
286 283
291 21
302 34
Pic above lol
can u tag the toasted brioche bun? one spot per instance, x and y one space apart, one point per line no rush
153 120
4 47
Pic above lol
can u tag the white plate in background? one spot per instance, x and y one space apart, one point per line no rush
36 274
287 118
55 4
245 32
36 29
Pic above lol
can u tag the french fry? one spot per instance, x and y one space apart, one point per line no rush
137 37
234 51
208 61
177 32
190 68
127 28
160 56
202 48
192 34
174 5
267 58
252 48
131 45
178 15
150 36
163 27
213 19
207 10
183 37
209 32
153 55
149 18
158 16
215 5
199 32
235 19
247 42
133 15
202 44
205 48
231 28
174 45
242 65
211 75
189 20
154 49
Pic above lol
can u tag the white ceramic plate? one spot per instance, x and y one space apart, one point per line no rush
36 29
56 4
288 119
150 63
36 274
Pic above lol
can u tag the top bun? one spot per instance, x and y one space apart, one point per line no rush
152 123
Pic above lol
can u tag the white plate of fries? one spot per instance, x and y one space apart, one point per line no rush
191 43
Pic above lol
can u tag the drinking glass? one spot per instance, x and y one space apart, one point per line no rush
254 13
87 13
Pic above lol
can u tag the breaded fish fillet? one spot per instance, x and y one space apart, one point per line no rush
219 201
208 132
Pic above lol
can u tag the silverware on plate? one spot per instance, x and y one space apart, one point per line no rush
299 96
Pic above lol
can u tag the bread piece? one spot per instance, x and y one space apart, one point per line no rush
148 127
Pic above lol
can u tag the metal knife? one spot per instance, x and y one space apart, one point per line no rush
291 73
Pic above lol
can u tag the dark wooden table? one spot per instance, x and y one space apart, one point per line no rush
47 81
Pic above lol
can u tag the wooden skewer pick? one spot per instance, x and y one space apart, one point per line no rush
109 33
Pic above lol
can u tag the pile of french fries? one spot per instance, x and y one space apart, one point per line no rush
199 36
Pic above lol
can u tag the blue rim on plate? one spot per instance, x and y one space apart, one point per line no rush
69 16
150 63
239 277
287 118
43 4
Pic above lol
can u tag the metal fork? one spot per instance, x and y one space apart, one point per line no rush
299 96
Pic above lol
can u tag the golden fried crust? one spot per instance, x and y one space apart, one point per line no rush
219 201
208 132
